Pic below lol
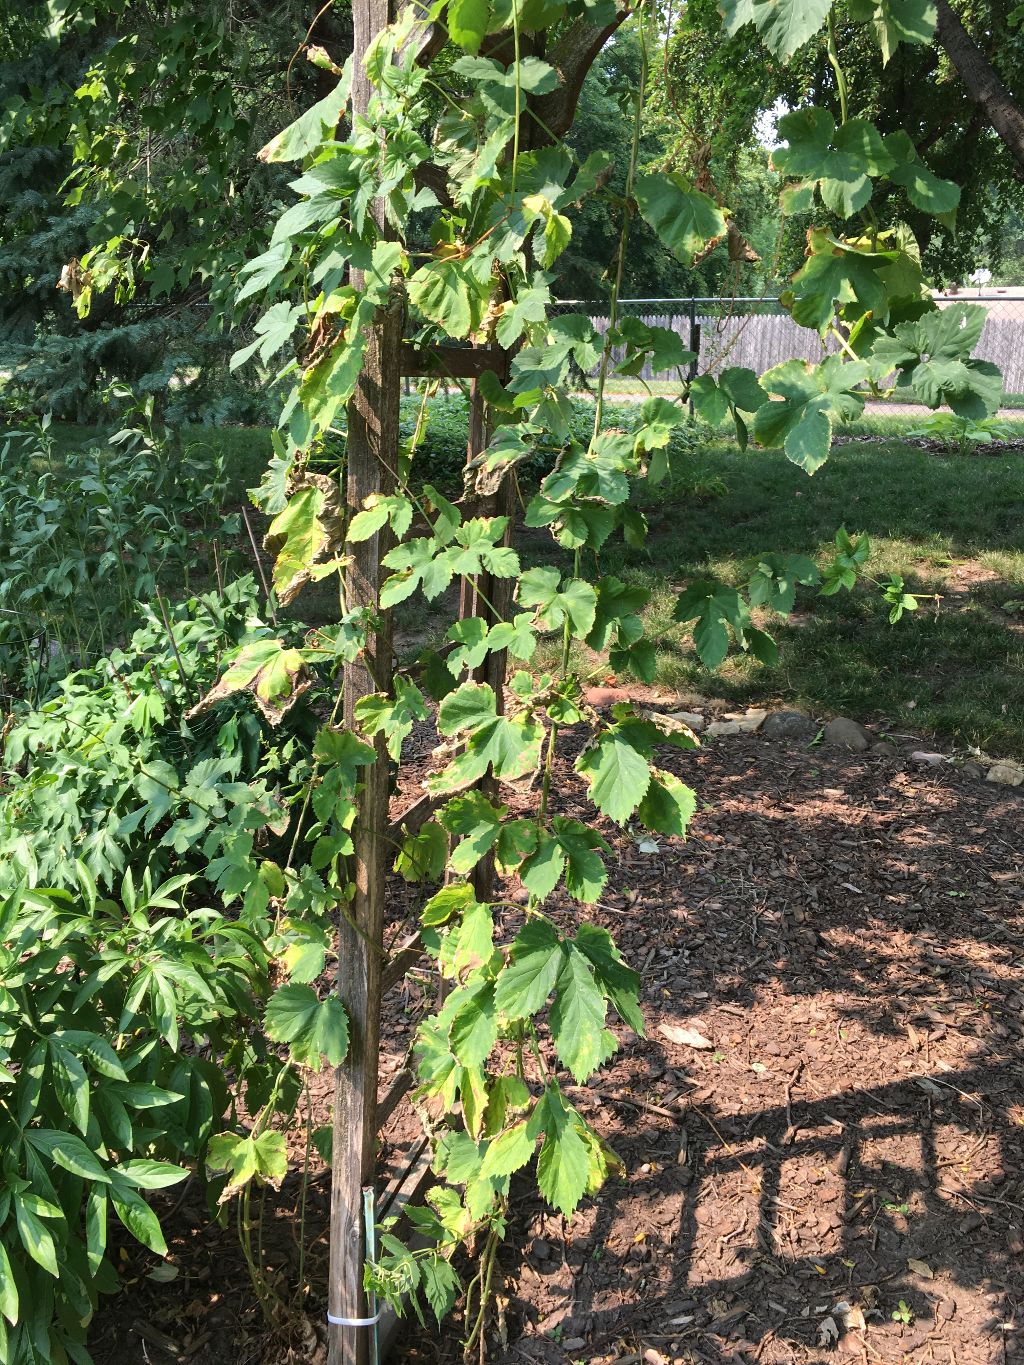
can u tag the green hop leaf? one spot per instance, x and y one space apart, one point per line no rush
618 776
933 357
313 1028
785 25
555 602
526 983
813 396
684 218
840 161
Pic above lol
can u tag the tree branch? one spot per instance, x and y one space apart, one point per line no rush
983 85
572 57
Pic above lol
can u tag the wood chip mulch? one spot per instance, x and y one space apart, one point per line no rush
845 933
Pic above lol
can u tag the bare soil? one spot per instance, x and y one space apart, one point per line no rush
847 933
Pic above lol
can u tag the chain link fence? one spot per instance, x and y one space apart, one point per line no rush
758 332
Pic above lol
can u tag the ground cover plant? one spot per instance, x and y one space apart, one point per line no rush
424 235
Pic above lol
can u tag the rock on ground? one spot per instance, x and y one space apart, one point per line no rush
1009 773
789 725
843 733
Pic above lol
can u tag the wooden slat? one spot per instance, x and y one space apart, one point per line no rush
400 1087
399 963
414 817
457 362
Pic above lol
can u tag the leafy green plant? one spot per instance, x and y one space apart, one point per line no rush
113 772
349 285
962 433
903 1314
87 534
109 1014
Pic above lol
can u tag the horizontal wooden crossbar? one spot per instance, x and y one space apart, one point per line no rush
457 362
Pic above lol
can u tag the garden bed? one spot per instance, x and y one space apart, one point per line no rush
846 933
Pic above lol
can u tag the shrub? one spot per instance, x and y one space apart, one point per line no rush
113 772
87 533
111 1016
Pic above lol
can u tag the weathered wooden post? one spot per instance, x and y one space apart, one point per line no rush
371 454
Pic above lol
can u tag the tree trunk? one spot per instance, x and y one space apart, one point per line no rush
983 86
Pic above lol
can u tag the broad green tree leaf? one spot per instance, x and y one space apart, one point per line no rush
659 347
618 981
377 511
510 745
618 776
476 822
309 533
659 418
837 275
896 21
555 601
474 1029
274 674
526 983
423 855
542 868
924 188
668 806
715 608
684 218
577 1017
933 358
441 1285
774 579
303 136
450 900
472 943
468 21
616 602
563 1166
446 292
585 872
509 1152
393 716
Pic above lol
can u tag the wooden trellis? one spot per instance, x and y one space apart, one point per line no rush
372 455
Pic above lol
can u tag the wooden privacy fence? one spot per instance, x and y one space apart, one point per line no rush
759 333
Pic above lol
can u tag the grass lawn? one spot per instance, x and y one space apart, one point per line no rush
952 525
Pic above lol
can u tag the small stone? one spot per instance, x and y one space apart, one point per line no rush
693 719
540 1250
842 733
885 748
738 725
974 770
605 696
1009 773
789 725
926 759
968 1224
